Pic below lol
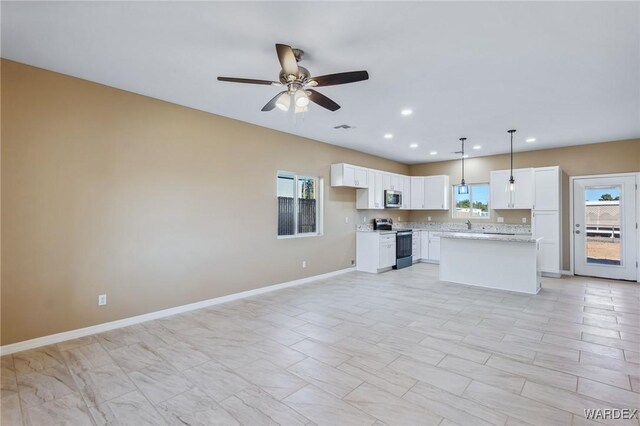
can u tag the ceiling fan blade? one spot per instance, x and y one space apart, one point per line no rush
248 80
341 78
272 103
287 59
322 100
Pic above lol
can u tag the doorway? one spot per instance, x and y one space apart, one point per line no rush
604 226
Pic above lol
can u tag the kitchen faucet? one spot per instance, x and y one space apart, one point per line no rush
468 224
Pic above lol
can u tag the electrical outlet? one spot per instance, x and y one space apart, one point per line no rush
304 263
500 219
102 299
364 219
346 219
398 218
524 220
428 218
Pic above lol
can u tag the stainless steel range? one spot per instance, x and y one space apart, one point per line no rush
404 239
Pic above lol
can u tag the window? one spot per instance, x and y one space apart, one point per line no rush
299 199
474 205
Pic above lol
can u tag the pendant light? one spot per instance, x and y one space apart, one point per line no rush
512 181
463 188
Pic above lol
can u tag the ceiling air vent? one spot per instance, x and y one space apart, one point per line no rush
344 126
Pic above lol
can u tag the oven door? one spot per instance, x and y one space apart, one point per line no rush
392 199
404 244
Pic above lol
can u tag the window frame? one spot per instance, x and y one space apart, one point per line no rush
319 181
454 193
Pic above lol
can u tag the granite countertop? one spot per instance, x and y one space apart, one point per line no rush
490 237
448 227
393 231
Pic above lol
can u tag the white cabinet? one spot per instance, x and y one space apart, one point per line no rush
415 247
434 247
546 218
343 174
417 193
436 192
546 191
372 197
375 252
546 224
522 196
424 245
405 185
387 256
390 182
500 195
429 192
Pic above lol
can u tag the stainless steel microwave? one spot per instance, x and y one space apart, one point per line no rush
392 199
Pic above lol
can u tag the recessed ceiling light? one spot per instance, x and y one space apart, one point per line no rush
388 135
433 153
413 145
477 146
406 111
531 140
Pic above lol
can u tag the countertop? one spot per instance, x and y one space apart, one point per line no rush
490 237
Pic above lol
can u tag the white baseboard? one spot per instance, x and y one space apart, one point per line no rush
99 328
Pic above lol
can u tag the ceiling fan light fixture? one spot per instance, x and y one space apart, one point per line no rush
284 101
301 98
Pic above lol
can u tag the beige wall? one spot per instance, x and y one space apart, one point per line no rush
157 205
602 158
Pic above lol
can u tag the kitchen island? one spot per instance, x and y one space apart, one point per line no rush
505 262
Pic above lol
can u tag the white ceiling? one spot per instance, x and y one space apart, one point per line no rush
565 73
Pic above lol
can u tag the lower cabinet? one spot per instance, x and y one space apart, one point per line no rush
415 248
434 247
429 246
387 254
375 251
546 224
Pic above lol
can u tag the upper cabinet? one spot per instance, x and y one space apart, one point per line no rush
417 193
372 197
520 198
343 174
405 187
390 181
436 192
546 192
429 192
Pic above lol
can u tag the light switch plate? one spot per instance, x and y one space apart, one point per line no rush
524 220
500 219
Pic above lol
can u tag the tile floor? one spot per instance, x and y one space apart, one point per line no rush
398 348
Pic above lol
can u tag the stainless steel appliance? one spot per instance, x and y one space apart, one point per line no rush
404 242
403 248
392 199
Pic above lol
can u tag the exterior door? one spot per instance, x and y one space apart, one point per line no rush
604 227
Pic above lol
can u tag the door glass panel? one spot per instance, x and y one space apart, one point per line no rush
602 224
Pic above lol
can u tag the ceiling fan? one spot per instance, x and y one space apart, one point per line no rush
299 83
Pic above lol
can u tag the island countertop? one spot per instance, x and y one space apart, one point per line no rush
489 237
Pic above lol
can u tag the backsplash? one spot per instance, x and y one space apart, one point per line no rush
456 226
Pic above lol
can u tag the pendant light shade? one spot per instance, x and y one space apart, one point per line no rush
463 188
512 181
